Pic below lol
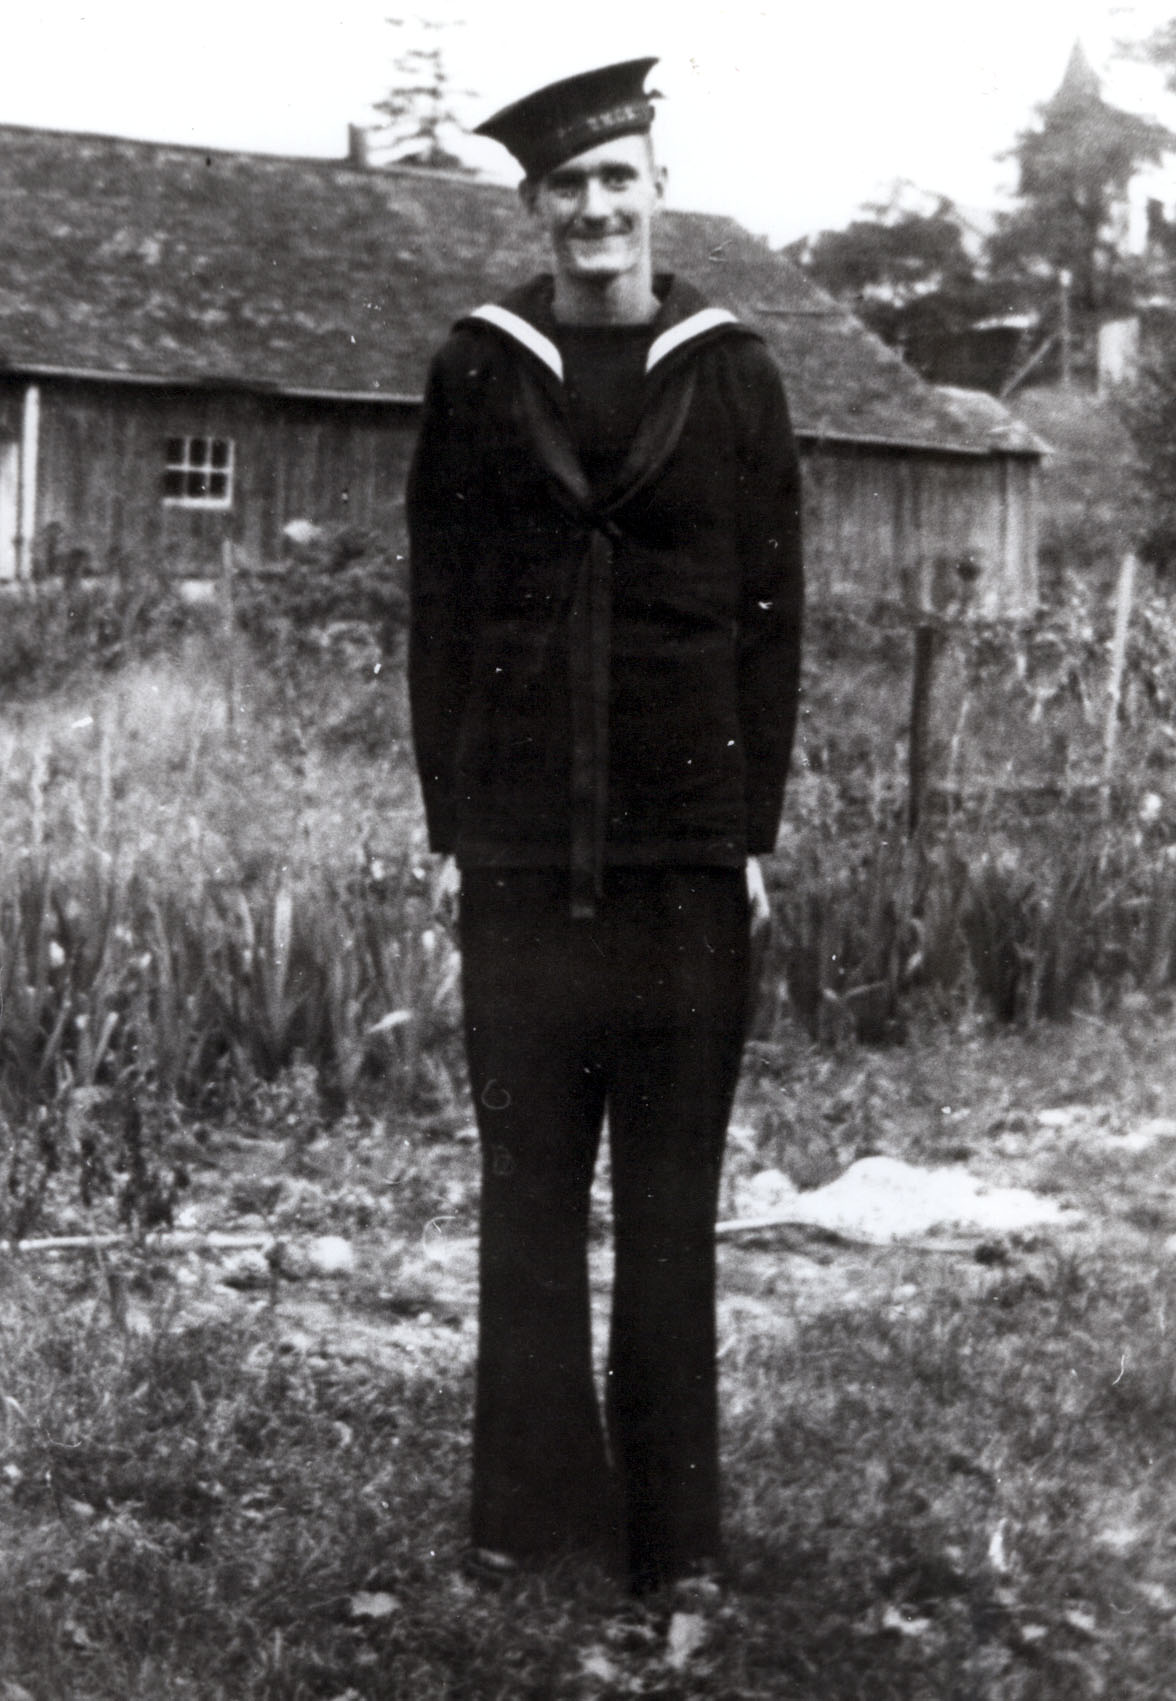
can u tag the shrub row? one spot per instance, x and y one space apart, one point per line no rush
1023 935
191 992
121 994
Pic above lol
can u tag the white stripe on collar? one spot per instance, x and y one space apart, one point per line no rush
522 332
706 319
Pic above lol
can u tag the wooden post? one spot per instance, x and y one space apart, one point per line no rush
228 613
1123 601
30 443
922 678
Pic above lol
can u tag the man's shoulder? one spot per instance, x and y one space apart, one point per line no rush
693 325
529 304
483 336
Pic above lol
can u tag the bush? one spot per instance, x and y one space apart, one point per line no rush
50 633
1149 412
337 586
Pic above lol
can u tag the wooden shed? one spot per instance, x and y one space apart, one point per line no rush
200 345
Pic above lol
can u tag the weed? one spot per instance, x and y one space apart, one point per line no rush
915 1502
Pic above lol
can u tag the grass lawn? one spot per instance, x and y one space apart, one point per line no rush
946 1475
947 1472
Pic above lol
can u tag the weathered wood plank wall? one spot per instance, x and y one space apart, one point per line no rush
11 401
103 454
880 523
883 523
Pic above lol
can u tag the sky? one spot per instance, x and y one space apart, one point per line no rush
789 117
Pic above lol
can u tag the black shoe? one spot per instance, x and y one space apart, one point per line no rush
700 1589
693 1588
488 1566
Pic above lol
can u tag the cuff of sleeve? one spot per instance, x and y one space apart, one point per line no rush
442 836
762 835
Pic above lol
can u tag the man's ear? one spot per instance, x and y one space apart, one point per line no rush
661 178
528 190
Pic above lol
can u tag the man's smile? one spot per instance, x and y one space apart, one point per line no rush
579 235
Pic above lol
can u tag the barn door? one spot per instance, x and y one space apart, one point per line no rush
9 506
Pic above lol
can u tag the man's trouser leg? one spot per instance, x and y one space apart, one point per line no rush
643 1006
541 1477
674 1068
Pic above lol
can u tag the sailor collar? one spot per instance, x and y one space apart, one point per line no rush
694 326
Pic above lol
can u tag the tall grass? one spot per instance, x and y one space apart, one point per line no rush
1021 932
198 893
212 873
104 977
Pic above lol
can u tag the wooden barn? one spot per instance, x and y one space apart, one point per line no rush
199 346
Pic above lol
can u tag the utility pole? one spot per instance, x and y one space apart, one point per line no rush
1065 279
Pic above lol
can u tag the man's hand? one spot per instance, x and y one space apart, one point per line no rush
446 891
758 902
760 913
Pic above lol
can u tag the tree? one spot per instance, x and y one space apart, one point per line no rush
1074 170
418 108
906 271
1148 409
1158 49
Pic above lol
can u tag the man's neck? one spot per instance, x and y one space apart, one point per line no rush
625 300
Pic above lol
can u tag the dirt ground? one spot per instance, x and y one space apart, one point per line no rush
946 1194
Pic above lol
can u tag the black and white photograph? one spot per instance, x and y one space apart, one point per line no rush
588 851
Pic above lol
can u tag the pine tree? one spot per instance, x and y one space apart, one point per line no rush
418 109
1074 170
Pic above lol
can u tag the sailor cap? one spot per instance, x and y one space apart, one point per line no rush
562 119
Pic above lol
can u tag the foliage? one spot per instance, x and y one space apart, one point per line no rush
913 275
1149 412
166 936
50 632
1157 49
1074 170
121 997
419 107
202 891
338 586
909 274
1032 892
1091 514
1027 935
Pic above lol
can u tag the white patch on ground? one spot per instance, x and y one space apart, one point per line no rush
1148 1134
884 1199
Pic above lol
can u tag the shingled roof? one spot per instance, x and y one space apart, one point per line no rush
150 261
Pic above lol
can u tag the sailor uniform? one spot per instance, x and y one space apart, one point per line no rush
603 675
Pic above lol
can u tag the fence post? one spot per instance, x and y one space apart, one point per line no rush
922 679
229 615
1123 601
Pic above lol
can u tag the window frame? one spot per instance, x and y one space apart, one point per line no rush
186 468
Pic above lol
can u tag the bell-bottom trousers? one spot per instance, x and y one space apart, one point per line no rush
639 1012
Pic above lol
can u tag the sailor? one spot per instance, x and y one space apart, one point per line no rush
604 511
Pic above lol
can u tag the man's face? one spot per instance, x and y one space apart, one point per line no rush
597 208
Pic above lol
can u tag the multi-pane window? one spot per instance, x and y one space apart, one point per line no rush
199 472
